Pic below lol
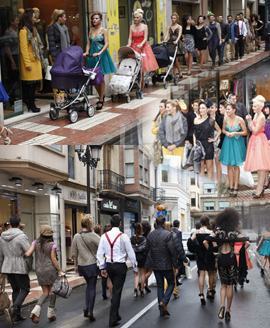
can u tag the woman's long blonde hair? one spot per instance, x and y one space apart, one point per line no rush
56 13
87 222
175 103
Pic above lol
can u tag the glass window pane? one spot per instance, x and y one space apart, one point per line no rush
129 169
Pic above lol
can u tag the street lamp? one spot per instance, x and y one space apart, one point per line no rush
90 158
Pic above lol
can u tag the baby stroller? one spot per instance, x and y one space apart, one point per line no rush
128 75
164 59
71 79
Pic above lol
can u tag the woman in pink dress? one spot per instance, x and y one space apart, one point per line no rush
139 33
258 152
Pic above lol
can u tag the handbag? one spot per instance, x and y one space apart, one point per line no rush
4 299
61 287
139 247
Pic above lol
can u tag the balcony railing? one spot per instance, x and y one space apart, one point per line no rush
111 180
157 193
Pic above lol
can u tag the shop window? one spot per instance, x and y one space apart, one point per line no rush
208 206
192 181
129 173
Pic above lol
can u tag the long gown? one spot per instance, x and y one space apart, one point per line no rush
258 152
106 63
149 61
233 151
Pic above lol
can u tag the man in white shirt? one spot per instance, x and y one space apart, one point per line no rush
115 246
242 34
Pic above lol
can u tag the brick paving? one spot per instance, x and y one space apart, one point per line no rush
116 117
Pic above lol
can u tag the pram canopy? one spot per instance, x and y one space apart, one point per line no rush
67 69
127 52
162 54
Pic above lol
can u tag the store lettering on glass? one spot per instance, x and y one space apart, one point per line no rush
73 194
110 205
81 196
131 204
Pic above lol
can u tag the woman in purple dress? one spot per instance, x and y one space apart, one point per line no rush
267 133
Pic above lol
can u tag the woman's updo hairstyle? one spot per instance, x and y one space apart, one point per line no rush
233 105
175 103
95 13
87 222
260 100
176 15
139 12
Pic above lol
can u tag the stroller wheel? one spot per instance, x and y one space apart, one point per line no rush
54 113
175 80
73 116
165 85
113 98
90 110
128 99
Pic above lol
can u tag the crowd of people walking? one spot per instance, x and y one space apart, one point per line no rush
216 134
219 246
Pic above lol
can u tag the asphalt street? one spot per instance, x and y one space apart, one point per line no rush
250 308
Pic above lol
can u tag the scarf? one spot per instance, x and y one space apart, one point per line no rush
64 36
37 45
174 128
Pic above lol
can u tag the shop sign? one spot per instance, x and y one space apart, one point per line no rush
262 2
110 205
75 195
131 204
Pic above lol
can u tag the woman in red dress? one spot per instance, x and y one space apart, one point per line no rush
139 33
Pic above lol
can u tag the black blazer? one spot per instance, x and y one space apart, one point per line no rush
54 39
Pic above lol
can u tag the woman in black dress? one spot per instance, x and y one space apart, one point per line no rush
138 243
193 112
204 127
189 40
173 35
224 237
203 35
200 235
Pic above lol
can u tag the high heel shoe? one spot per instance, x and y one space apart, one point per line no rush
227 316
99 107
255 196
211 295
135 293
142 293
7 140
202 299
34 109
85 312
233 194
221 312
267 185
148 290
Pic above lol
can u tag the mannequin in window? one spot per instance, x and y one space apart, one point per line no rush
41 27
20 13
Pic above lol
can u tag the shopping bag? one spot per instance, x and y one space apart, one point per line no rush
3 95
246 177
4 299
48 74
152 280
61 287
188 271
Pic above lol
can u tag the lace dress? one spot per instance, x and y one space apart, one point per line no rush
258 152
149 61
173 37
233 151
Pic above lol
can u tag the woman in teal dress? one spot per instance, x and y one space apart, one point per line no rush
265 249
233 151
97 45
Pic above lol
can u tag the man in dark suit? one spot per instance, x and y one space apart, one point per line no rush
224 38
161 258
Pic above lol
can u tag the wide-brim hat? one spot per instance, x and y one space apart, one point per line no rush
46 231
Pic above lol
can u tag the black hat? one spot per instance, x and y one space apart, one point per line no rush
6 224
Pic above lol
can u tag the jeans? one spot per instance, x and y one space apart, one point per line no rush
221 52
117 273
160 275
20 284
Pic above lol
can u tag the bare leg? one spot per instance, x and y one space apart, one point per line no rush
230 176
147 275
210 169
264 262
102 90
211 279
137 278
261 175
199 57
46 290
266 178
190 60
201 281
219 171
143 275
202 168
236 176
229 297
98 88
186 57
177 65
223 293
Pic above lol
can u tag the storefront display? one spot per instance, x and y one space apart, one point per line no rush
10 13
108 207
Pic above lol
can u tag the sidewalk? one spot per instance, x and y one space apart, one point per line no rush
36 291
115 118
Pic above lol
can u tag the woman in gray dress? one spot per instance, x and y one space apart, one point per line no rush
47 271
